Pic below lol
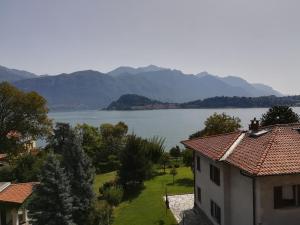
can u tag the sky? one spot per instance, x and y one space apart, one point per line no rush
258 40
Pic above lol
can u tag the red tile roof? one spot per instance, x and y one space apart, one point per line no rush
3 157
274 153
213 147
17 193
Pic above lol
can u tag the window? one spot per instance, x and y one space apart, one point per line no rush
215 212
286 196
198 164
215 174
199 194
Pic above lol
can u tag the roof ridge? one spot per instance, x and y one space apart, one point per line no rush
265 153
215 135
280 125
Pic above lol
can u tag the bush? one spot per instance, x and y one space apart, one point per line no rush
176 165
113 195
107 185
6 173
100 214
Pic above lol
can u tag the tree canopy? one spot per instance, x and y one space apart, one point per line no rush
23 117
51 203
135 165
219 124
279 115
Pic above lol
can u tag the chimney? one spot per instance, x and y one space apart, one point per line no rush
254 126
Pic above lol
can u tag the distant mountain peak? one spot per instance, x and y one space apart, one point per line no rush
131 70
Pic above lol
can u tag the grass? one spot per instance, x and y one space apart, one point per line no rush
148 208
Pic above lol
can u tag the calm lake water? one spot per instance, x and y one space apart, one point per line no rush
174 125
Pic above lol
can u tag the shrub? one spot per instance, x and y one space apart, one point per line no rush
100 214
7 173
114 195
107 185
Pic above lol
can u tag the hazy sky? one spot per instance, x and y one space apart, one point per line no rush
258 40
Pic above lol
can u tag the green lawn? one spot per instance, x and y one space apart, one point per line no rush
148 208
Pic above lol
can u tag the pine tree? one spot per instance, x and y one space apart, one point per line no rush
81 174
51 203
135 166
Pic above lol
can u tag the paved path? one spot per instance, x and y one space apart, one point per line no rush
182 206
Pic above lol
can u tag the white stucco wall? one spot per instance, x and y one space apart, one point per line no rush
241 198
209 190
266 213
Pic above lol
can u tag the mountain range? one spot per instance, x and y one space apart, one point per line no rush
90 89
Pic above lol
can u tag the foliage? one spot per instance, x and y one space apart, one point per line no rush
79 170
113 195
100 214
242 102
107 185
155 148
23 118
173 172
164 160
91 140
187 157
113 137
219 124
135 166
279 115
175 152
7 173
28 167
51 203
104 144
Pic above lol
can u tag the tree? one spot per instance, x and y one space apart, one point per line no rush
23 117
135 166
51 203
80 172
155 148
218 124
173 172
113 137
187 157
61 136
175 152
91 140
279 115
164 160
28 167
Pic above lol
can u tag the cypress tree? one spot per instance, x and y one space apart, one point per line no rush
51 203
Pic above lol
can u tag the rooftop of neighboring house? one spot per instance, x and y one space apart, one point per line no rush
3 157
273 150
15 193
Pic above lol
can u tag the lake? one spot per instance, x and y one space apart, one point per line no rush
173 124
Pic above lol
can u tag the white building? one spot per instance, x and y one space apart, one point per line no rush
249 178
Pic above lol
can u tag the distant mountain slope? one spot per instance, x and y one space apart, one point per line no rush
137 102
94 90
132 101
12 75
